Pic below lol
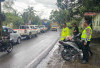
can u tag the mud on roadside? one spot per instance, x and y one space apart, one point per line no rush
55 60
58 62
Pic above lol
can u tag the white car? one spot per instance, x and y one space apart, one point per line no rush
26 31
36 27
14 36
43 28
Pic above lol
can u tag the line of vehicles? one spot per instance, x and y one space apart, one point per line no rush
27 31
15 35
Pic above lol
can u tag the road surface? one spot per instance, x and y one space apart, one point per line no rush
27 51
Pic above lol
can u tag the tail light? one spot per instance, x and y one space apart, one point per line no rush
25 31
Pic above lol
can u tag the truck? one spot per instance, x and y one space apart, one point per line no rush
26 31
54 26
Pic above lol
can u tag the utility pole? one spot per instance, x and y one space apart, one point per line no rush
0 20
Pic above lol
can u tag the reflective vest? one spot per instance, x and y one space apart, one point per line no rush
65 33
84 35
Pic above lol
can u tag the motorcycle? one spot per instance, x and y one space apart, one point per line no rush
71 49
5 45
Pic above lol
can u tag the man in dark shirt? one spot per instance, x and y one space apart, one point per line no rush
76 30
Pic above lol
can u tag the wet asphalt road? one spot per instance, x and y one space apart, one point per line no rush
27 51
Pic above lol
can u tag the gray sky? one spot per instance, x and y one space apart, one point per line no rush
43 7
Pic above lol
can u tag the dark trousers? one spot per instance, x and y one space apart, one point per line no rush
86 50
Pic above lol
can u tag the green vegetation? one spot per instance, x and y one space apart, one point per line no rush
73 11
29 15
14 19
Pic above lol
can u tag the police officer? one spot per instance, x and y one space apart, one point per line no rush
65 32
86 38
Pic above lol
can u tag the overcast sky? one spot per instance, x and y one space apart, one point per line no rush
43 7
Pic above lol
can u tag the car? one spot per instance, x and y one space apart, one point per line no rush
26 31
43 28
14 36
36 27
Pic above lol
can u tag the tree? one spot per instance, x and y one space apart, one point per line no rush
65 4
37 21
91 5
66 10
12 20
8 5
25 17
29 15
61 16
12 16
72 8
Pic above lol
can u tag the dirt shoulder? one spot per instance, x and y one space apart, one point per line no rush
54 59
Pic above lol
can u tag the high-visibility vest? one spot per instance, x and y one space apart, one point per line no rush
84 35
65 33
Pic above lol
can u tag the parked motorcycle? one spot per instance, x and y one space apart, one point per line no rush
71 49
5 45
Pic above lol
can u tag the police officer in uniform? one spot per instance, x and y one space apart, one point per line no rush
86 38
65 32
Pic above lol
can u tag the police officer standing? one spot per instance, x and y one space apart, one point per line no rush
86 38
65 32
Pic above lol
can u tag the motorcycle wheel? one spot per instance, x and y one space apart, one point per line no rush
9 48
68 55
